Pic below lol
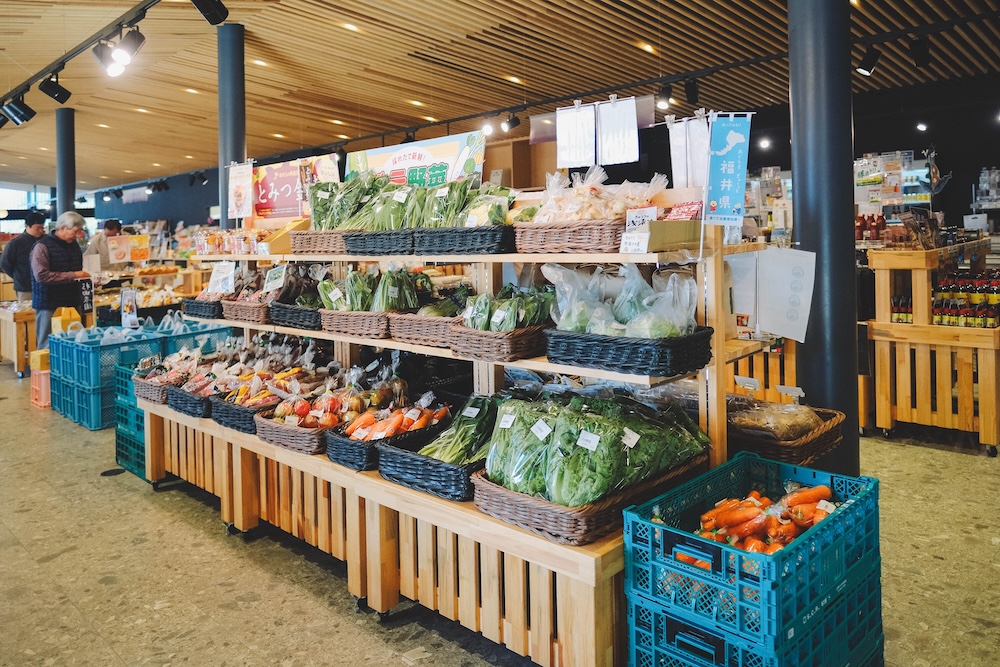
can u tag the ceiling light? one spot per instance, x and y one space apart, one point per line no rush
156 164
868 62
764 143
514 79
128 46
204 178
663 98
337 122
343 136
18 111
149 189
106 127
164 185
920 51
277 135
128 171
409 138
511 122
191 90
351 27
416 103
213 10
922 127
143 110
487 127
188 157
103 52
260 62
106 197
51 87
83 200
691 91
429 119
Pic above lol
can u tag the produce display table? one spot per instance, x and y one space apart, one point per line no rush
17 337
560 605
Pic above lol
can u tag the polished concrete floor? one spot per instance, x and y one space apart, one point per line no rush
100 570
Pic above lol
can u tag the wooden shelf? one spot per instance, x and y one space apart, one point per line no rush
542 364
742 248
239 324
934 334
235 258
736 348
923 259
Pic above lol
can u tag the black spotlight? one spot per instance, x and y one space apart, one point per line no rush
203 177
118 193
691 91
3 120
341 155
867 66
511 122
51 87
83 200
18 111
663 97
213 10
128 46
409 138
164 185
920 51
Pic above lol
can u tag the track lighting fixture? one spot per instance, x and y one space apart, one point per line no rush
164 185
340 155
103 52
3 120
409 138
213 10
511 122
920 51
487 127
106 197
149 188
51 87
663 98
118 193
128 46
868 62
18 111
691 91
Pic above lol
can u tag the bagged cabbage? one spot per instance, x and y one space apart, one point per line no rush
668 314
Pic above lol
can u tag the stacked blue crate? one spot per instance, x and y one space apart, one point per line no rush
130 448
817 602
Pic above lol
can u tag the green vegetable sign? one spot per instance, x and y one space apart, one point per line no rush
428 163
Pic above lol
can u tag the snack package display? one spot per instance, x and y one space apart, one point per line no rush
776 420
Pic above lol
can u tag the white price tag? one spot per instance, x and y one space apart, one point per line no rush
393 291
630 438
747 383
292 420
634 243
497 317
336 295
413 414
372 366
442 192
588 440
506 421
790 391
470 412
322 194
361 433
378 436
471 221
364 200
400 195
541 429
637 217
316 413
275 278
826 506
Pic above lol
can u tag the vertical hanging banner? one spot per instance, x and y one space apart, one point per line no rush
429 163
277 192
576 136
727 168
617 132
240 187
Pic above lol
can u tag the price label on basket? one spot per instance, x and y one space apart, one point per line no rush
275 278
634 243
221 281
470 412
638 218
506 421
630 438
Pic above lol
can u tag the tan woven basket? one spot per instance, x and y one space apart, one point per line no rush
303 440
496 345
584 236
355 323
152 392
801 451
576 525
318 243
256 313
421 329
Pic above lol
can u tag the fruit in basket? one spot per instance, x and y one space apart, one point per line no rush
327 420
301 407
284 409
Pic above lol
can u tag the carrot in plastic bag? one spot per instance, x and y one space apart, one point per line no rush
805 496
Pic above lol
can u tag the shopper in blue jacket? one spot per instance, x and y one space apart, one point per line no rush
16 258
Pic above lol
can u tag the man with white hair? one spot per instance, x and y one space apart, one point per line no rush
56 268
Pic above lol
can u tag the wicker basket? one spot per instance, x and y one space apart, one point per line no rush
576 525
362 324
318 243
150 391
362 455
395 242
421 329
662 357
496 345
585 236
256 313
295 438
209 310
801 451
187 403
235 416
424 473
290 315
464 240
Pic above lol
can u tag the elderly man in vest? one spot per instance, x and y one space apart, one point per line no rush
56 268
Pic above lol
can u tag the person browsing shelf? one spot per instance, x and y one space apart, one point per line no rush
99 244
16 259
56 269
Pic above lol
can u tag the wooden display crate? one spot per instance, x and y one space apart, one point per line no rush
17 337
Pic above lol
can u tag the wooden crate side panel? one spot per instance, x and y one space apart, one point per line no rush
491 593
989 392
468 583
515 626
408 557
427 564
542 614
447 572
966 395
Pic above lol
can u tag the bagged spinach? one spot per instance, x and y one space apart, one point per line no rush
350 197
395 291
516 453
444 204
321 198
462 442
477 312
359 289
585 454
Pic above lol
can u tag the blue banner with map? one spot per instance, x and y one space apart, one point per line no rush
729 146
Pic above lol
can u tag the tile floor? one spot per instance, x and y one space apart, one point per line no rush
103 571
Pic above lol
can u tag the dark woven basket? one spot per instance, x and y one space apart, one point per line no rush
421 329
424 473
295 438
362 455
576 525
801 451
496 345
149 391
586 236
255 313
235 416
395 242
662 357
290 315
318 243
361 323
489 240
209 310
187 403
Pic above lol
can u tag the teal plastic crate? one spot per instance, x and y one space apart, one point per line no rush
195 334
94 363
93 408
61 355
59 395
124 387
130 452
765 599
129 417
846 633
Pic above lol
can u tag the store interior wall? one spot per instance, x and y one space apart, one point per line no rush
182 202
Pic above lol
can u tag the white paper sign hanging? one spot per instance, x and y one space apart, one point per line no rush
697 150
786 291
617 132
576 136
275 278
678 152
221 281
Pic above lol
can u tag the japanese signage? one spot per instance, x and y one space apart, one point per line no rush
138 248
240 189
430 163
275 278
727 169
277 190
87 295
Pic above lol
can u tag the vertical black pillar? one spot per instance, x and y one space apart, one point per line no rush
65 160
819 59
232 109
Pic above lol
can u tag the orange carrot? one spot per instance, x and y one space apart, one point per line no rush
802 515
819 515
754 526
362 420
409 418
804 496
754 494
387 426
785 533
753 545
712 536
439 415
720 507
690 560
737 516
773 547
422 421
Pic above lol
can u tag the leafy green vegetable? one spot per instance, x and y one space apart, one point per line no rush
504 314
441 308
309 300
395 291
516 455
359 288
332 294
463 441
477 312
526 214
444 204
321 198
584 456
350 197
414 216
384 211
488 207
630 301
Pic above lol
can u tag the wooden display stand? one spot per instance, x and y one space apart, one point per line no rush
930 374
17 337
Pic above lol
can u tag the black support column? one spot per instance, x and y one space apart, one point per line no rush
819 59
65 160
232 109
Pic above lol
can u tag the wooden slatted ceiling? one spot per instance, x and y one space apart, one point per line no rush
455 56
